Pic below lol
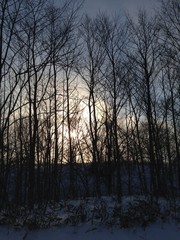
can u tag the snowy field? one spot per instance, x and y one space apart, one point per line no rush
86 232
95 219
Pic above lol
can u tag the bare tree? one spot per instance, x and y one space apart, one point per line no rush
92 61
145 59
170 24
112 37
10 77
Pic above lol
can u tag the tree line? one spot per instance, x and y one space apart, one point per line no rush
88 106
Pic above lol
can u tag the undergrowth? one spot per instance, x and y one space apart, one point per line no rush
103 211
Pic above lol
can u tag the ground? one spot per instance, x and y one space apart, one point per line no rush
138 218
156 231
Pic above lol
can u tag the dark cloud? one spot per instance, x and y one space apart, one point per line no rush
92 7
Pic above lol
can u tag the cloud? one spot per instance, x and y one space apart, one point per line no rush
92 7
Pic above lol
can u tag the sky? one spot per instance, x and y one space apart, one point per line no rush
92 7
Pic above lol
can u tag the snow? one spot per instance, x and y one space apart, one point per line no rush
156 231
65 221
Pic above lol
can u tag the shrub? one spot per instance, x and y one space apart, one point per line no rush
140 213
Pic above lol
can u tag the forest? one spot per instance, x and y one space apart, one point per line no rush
89 106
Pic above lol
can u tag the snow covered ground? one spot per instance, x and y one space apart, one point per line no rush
95 219
86 232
